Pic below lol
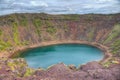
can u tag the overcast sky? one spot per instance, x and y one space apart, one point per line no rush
59 6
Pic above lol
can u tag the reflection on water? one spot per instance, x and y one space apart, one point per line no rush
59 6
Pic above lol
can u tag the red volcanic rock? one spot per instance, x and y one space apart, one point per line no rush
41 73
90 71
81 75
115 71
62 72
91 66
102 74
59 69
72 67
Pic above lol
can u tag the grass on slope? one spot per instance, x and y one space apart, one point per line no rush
116 48
114 33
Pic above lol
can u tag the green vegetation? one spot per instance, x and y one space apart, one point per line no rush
12 65
114 33
4 45
16 33
107 64
23 22
42 24
90 17
66 28
17 65
72 17
91 34
116 47
29 72
38 24
0 32
10 20
50 28
25 43
110 62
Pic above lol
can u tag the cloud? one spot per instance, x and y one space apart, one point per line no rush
59 6
38 3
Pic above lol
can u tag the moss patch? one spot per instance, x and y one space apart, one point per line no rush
116 47
1 32
5 45
28 72
50 28
113 34
16 33
38 24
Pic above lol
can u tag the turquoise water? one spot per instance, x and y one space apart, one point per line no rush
67 53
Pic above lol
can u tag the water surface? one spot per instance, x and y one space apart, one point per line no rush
76 54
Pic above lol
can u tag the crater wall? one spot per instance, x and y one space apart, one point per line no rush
18 30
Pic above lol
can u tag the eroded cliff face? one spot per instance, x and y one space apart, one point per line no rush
30 29
18 30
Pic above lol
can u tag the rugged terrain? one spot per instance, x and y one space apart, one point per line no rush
18 30
17 69
24 30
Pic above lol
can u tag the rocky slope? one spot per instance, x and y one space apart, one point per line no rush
18 30
17 69
25 30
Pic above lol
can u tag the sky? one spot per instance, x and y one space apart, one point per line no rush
60 6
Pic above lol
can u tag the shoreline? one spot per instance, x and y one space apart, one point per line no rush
105 49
